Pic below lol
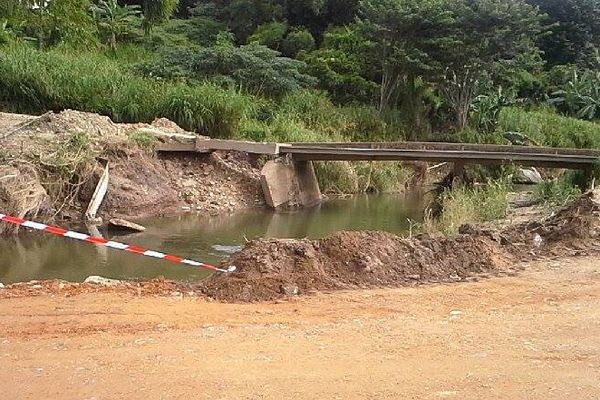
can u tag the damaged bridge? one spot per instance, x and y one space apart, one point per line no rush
288 178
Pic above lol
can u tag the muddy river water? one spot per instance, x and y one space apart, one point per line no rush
210 239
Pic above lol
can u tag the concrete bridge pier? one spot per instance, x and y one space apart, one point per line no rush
458 173
289 183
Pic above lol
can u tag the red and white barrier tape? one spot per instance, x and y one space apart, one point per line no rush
98 241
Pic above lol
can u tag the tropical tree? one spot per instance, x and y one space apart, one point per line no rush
114 19
70 22
575 31
253 68
155 11
580 95
342 65
494 39
411 39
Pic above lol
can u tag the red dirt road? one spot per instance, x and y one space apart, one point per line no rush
533 336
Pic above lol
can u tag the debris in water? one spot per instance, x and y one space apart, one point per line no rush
125 225
227 249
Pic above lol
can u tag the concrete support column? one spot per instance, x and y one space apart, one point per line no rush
309 192
287 183
458 173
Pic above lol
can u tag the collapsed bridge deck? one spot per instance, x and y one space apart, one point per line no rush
464 153
289 179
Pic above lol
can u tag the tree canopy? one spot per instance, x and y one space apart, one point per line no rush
425 60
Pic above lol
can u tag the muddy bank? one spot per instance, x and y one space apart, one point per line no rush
277 268
50 165
271 269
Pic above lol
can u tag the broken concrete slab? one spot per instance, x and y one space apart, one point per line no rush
287 183
98 196
528 176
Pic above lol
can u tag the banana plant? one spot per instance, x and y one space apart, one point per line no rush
114 19
580 95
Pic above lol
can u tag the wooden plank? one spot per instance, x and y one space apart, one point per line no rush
98 196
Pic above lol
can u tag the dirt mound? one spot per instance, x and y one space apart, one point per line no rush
154 287
275 268
270 269
75 121
144 185
576 225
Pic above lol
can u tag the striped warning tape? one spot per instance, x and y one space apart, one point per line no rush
98 241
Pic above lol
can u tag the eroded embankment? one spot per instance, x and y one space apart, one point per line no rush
50 167
270 269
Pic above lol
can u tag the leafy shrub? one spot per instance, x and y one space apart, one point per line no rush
202 31
296 41
365 124
143 139
556 191
270 34
579 95
254 68
470 206
485 110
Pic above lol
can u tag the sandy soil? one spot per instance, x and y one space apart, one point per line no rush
531 336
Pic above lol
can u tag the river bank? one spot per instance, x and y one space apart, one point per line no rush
57 159
276 269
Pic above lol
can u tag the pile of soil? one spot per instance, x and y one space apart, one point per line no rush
154 287
575 225
20 193
270 269
143 185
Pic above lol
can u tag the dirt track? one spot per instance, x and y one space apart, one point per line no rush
533 336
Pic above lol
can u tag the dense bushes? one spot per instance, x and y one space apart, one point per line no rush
33 81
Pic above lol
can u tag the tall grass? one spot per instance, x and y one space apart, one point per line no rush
35 81
548 128
470 206
556 192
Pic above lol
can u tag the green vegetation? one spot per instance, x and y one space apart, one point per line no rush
470 206
557 191
488 71
144 140
548 128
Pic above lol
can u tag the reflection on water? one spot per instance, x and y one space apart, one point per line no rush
209 239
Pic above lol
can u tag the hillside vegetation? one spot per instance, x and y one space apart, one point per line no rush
488 71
